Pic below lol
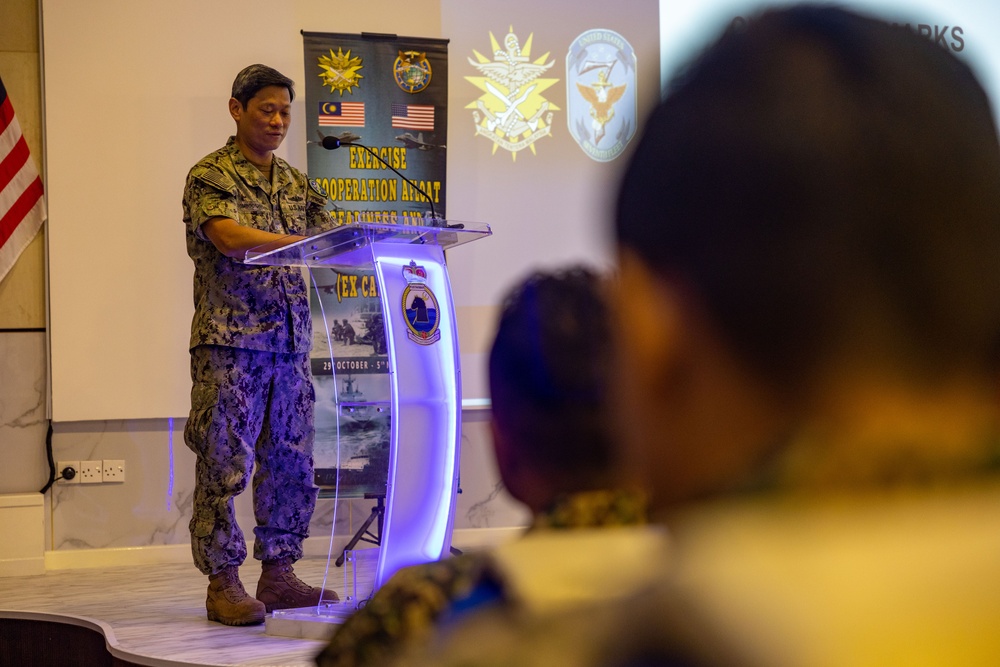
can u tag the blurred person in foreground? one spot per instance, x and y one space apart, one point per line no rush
809 310
549 369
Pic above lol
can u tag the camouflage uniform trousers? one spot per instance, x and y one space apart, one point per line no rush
250 407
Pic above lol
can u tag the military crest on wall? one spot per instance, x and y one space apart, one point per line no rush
601 93
512 112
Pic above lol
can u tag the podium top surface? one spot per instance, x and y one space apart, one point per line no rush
325 247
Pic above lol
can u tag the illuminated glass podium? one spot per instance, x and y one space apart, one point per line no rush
421 341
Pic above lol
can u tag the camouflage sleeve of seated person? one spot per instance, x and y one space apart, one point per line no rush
409 605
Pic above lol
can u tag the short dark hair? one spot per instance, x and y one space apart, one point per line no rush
826 181
251 79
549 370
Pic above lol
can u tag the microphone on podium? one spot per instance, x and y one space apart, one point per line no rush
333 143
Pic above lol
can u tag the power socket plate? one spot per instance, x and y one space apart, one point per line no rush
113 470
90 472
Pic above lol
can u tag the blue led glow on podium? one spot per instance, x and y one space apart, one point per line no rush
424 376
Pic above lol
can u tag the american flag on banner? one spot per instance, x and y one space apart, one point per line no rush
413 116
22 208
342 114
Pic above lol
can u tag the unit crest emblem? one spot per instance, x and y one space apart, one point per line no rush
512 112
412 71
340 71
600 93
420 306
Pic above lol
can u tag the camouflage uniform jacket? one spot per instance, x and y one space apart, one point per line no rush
406 609
262 308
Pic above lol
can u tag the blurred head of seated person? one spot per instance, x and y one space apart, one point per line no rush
549 370
549 373
808 324
809 236
809 246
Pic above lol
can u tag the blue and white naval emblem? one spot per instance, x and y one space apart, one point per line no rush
600 93
420 307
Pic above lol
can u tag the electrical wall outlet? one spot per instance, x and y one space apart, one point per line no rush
64 474
90 472
113 470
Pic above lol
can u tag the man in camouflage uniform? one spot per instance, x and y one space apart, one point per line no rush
252 395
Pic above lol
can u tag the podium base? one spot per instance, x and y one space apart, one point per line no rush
308 622
320 622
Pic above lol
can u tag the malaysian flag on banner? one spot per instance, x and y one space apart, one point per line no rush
342 114
413 116
22 208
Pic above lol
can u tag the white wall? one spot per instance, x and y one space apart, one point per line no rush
136 93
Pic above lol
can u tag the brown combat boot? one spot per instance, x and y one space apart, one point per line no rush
229 603
279 588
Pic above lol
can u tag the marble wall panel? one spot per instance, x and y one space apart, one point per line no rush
22 412
483 502
153 506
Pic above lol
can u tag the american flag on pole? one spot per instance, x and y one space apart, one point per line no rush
413 116
22 208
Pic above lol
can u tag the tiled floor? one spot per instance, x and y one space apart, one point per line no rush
155 615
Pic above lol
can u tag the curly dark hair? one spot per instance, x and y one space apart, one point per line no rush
549 370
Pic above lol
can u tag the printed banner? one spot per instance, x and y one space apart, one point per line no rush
385 100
